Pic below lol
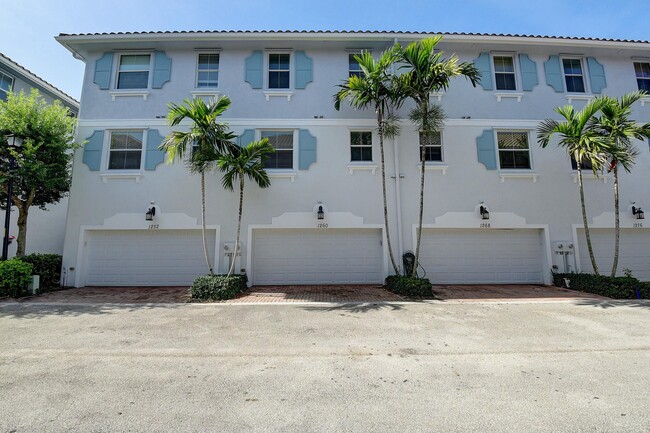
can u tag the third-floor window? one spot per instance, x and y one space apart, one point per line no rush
207 71
279 70
133 71
642 71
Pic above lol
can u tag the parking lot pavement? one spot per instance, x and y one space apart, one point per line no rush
578 366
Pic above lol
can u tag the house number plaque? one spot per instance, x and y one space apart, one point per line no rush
322 225
154 226
485 225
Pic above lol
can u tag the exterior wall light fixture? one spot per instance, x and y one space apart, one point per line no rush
320 213
484 211
151 212
638 213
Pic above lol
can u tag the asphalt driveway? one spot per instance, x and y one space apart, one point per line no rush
580 366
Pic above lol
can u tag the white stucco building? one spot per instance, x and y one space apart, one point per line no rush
281 85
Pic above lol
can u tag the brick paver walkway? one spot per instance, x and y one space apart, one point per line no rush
115 295
323 293
501 292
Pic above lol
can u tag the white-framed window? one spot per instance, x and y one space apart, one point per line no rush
504 72
361 146
514 151
125 150
432 147
282 141
642 72
279 70
133 71
354 69
207 70
584 165
574 75
6 85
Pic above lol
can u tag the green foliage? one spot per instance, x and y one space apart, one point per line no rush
612 287
218 287
14 277
248 161
409 286
48 267
42 175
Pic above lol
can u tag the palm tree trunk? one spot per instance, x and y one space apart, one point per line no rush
205 241
425 127
617 227
380 123
584 219
241 205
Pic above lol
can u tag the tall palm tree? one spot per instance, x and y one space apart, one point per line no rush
205 141
238 164
373 89
615 124
428 71
582 143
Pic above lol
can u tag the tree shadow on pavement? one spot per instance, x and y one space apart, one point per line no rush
356 307
43 310
613 303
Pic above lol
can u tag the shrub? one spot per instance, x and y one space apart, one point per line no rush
218 287
612 287
409 286
48 266
14 277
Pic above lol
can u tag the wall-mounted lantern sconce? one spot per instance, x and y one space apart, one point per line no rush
485 212
320 213
151 212
638 213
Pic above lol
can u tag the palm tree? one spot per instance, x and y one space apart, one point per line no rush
373 89
615 124
205 141
427 71
582 143
238 164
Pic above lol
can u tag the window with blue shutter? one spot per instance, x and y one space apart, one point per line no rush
162 69
303 70
92 154
596 75
154 155
103 71
306 149
253 73
486 149
553 72
528 69
246 137
483 64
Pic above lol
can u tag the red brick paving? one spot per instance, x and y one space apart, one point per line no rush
316 293
501 292
115 295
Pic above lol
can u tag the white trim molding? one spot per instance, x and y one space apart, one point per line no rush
352 167
144 94
512 95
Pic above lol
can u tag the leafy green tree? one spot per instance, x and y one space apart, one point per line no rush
615 124
41 175
427 71
241 163
205 142
372 89
581 142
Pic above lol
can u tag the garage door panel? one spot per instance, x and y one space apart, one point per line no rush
309 256
634 251
457 256
146 258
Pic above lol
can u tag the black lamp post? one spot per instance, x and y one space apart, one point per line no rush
13 142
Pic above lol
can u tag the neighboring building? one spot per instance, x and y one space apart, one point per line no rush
45 229
281 85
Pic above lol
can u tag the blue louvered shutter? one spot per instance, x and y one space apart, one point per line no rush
596 75
528 69
92 155
103 71
253 73
306 149
486 150
484 66
162 69
304 74
154 155
553 72
246 137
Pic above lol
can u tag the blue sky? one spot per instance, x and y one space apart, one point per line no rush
29 26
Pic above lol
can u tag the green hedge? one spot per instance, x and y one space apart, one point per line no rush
612 287
14 277
409 286
48 267
218 287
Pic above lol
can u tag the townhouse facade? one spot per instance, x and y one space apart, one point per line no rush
46 228
321 221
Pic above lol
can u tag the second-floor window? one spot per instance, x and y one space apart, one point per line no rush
207 71
282 141
6 85
125 150
573 75
279 70
642 71
361 146
504 72
584 165
514 152
133 72
354 69
432 147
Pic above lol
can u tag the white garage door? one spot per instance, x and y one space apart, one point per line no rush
317 256
469 256
146 257
634 251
